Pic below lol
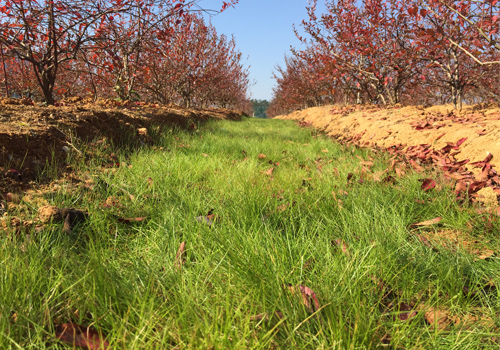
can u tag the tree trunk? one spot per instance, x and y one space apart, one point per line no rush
4 73
47 85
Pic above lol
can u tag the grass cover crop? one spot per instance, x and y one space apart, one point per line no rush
252 234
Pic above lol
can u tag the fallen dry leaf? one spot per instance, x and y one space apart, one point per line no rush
438 318
67 225
81 336
415 166
180 257
129 220
399 172
269 172
307 295
406 312
209 219
264 316
429 222
428 184
437 138
460 187
12 197
281 208
341 245
261 156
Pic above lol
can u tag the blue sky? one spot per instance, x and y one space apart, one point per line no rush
264 32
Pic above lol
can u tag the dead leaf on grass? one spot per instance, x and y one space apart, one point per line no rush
110 202
265 316
209 219
180 257
425 241
281 208
399 172
261 156
406 312
308 297
130 220
340 245
67 225
429 222
12 197
415 166
81 336
438 318
460 187
269 172
428 184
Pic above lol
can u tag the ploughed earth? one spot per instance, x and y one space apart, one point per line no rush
32 137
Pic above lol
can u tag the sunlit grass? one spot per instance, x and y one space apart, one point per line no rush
270 230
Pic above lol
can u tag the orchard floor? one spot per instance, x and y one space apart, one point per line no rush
255 234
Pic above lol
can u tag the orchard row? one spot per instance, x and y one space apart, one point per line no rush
393 51
160 51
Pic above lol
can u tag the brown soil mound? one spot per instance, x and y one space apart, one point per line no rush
31 136
407 128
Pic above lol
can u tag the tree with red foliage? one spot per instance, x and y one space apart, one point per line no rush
380 50
18 78
440 35
191 62
50 33
371 43
479 19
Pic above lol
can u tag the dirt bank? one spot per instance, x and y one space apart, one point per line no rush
471 135
32 135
